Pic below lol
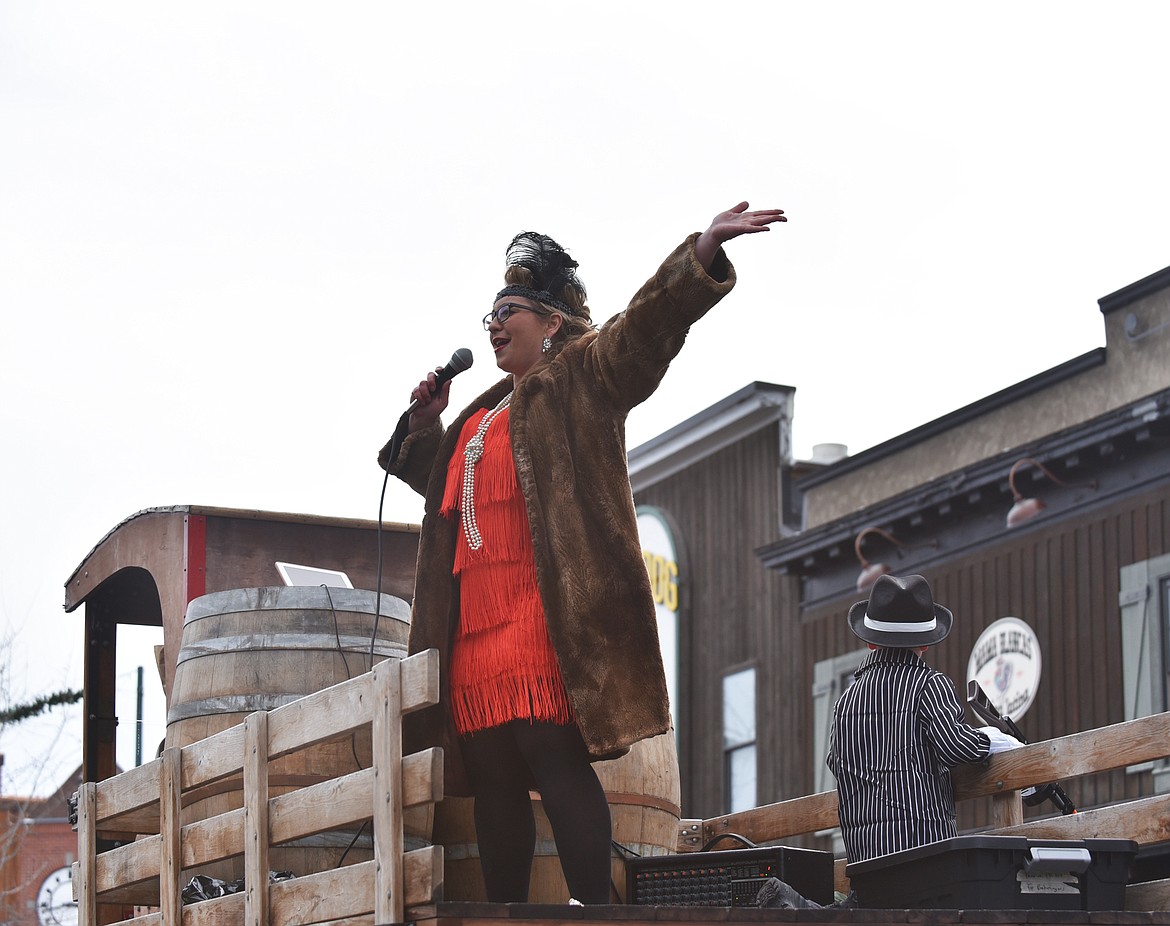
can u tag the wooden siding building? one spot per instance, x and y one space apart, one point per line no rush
770 558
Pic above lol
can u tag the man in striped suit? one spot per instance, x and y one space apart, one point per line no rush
898 729
897 732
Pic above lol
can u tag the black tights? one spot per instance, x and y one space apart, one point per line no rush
502 763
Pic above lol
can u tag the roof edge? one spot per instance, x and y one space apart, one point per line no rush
1127 295
745 411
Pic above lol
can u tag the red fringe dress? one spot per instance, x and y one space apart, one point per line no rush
503 666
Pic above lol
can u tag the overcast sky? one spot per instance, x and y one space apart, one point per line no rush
233 235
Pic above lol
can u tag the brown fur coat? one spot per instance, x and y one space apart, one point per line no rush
568 438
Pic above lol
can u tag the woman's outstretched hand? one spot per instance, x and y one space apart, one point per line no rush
734 222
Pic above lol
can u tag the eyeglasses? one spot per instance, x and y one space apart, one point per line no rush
504 312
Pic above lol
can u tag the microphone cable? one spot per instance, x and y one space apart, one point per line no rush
378 560
353 736
460 361
401 430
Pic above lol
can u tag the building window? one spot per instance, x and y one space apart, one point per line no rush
830 678
1145 636
739 740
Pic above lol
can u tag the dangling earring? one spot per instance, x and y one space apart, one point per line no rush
545 345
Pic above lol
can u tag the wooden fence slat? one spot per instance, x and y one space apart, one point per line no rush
142 894
338 894
216 757
1150 895
129 805
219 911
422 875
86 874
213 840
331 804
420 681
313 718
775 821
330 895
320 716
346 800
129 864
387 810
256 819
1086 753
422 777
1145 821
170 850
128 825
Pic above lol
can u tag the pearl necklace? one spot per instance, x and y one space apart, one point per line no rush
472 454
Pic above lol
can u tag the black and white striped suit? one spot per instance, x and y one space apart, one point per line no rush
896 733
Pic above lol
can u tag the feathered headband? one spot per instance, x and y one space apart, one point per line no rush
553 271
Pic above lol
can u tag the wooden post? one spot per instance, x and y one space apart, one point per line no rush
170 827
256 819
388 841
1006 810
99 737
86 879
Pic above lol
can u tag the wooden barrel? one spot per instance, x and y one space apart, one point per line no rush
643 792
253 649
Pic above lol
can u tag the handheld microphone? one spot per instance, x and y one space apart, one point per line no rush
460 361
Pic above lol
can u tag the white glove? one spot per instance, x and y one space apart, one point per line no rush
1000 741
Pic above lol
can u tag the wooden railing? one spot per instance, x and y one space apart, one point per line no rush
141 808
1002 777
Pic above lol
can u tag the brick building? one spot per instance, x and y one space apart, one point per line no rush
38 848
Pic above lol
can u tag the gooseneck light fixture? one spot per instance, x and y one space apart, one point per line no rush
1136 329
1024 509
870 572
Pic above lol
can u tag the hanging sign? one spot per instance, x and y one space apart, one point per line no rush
1005 661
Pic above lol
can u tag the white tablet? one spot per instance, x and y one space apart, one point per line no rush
293 574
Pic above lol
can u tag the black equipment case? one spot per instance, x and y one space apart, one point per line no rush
998 873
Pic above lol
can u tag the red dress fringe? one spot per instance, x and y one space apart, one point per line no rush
502 664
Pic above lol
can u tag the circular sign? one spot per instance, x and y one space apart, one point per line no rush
1005 661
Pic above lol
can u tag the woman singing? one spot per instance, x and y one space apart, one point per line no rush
530 580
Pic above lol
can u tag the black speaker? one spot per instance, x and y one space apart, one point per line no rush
730 878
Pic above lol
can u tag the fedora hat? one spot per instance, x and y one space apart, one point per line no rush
900 611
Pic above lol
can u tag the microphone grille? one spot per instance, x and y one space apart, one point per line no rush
461 360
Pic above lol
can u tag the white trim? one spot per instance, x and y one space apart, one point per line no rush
899 627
